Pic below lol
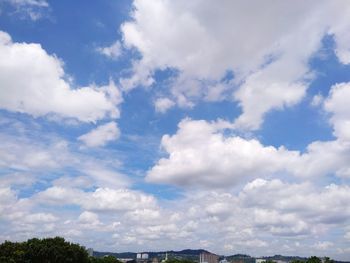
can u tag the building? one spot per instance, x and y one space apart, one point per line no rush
206 257
90 252
142 257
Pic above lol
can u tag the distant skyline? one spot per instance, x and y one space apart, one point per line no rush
164 125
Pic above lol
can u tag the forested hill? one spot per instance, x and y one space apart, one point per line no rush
186 253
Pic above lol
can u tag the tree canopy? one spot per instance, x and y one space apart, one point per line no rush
47 250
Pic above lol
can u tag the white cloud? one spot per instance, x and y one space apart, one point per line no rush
200 155
296 203
273 87
203 154
323 158
8 197
323 245
40 3
31 154
101 135
33 82
22 154
272 210
33 9
342 38
104 177
162 105
113 51
105 199
89 218
202 41
317 100
338 105
102 199
77 181
39 218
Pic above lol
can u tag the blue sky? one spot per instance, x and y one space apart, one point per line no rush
155 125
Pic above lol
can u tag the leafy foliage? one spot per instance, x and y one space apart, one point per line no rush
47 250
313 259
176 260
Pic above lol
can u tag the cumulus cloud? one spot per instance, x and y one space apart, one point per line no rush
302 200
102 199
101 135
232 203
202 41
34 82
202 154
199 154
330 157
272 209
89 218
337 105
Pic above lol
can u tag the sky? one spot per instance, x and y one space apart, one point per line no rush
157 125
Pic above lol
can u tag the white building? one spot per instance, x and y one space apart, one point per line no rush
90 252
141 256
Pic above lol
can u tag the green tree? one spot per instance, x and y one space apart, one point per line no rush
47 250
176 260
313 259
328 260
105 259
12 252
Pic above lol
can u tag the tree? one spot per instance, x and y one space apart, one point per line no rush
105 259
328 260
52 250
175 260
12 252
313 259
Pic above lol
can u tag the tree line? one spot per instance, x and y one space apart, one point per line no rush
48 250
312 259
58 250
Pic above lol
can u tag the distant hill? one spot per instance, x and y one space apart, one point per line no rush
191 254
241 258
291 258
285 258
